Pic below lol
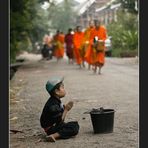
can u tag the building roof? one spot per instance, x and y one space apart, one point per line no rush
73 3
84 6
88 3
107 5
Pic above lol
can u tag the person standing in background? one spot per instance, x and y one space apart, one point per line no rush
98 37
69 45
77 41
86 43
58 42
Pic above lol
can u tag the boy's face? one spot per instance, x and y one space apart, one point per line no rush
61 91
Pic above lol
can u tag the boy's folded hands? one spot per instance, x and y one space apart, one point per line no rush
69 105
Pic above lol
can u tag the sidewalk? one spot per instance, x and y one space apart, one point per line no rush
116 88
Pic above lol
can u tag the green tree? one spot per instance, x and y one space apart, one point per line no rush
124 33
18 25
28 24
130 5
63 16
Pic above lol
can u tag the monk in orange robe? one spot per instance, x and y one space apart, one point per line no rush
58 42
98 37
77 42
86 43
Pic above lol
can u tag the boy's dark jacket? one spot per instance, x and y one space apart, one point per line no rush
52 112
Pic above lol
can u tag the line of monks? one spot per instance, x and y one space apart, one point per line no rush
81 47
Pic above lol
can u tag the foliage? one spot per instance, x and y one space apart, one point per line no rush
124 33
129 5
63 16
28 24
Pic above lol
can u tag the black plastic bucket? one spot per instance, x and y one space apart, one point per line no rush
102 120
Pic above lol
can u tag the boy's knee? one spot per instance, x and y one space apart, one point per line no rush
76 129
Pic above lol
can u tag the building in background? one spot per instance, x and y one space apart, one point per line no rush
104 10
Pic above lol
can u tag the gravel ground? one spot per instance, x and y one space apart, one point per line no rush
117 88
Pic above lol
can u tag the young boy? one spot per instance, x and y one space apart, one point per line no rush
54 112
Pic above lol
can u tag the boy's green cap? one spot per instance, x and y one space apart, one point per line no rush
53 81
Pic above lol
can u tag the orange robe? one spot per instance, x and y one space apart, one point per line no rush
86 43
77 42
98 57
59 46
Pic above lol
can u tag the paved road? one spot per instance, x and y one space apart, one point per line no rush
117 88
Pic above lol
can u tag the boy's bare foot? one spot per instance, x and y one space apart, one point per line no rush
51 138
